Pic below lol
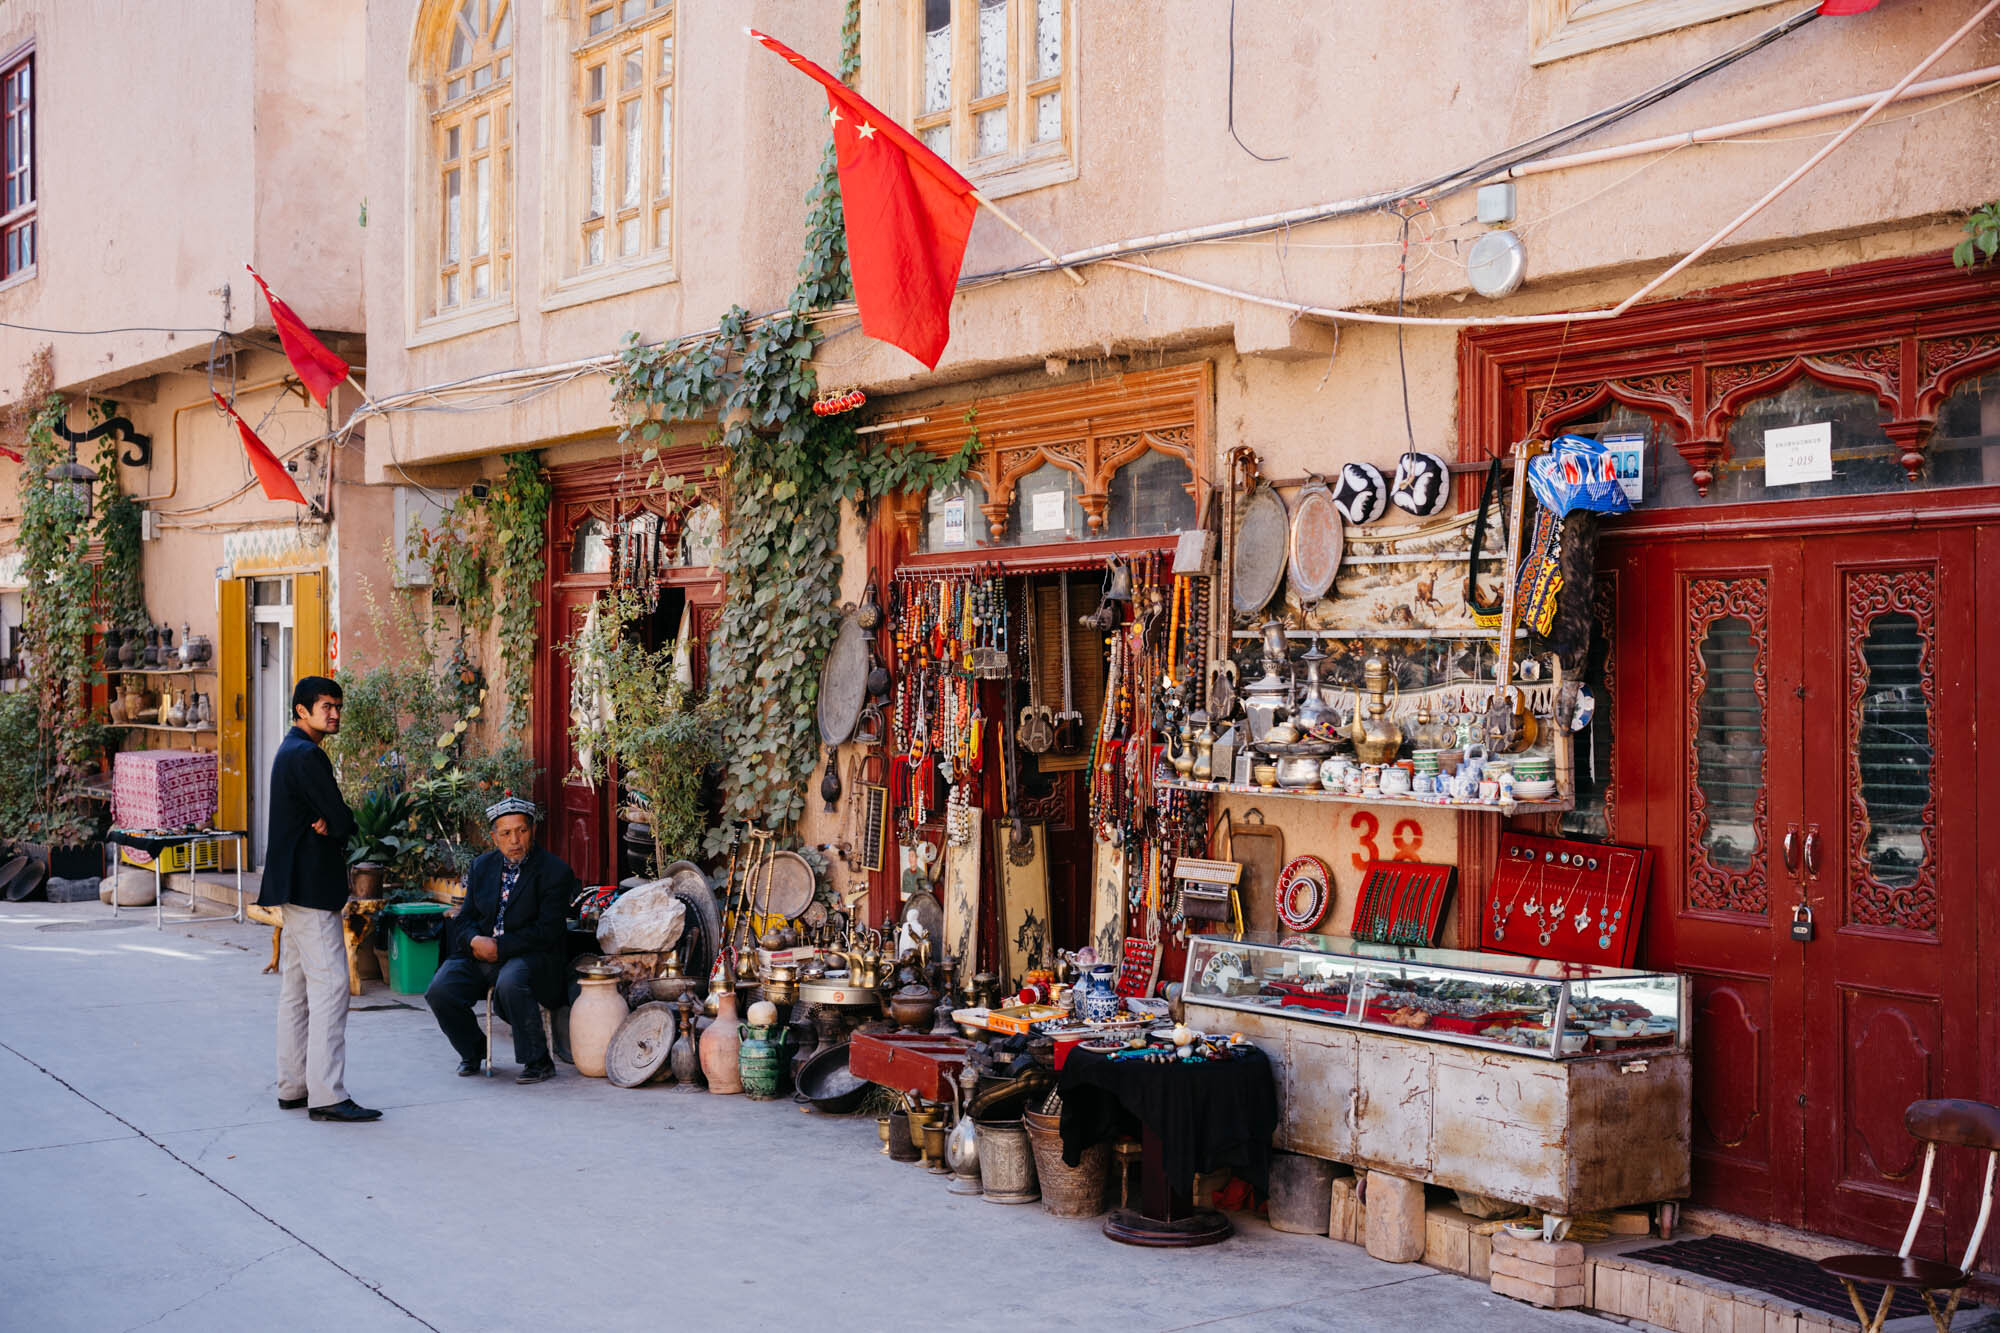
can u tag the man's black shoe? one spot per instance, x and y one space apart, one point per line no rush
540 1073
291 1103
345 1111
468 1068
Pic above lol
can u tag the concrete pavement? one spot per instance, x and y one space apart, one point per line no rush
148 1180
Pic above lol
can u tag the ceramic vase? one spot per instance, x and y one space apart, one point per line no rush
761 1060
598 1011
721 1047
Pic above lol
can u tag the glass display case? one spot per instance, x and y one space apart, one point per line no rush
1530 1006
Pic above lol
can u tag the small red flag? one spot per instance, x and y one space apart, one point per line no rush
1842 8
908 216
318 367
5 452
277 482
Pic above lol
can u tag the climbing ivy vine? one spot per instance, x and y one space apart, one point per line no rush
787 473
54 542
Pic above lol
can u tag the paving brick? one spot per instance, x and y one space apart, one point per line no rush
1536 1293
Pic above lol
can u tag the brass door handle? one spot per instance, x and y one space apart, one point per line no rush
1792 849
1812 851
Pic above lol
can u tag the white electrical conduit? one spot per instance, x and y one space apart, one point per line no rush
1826 150
1754 125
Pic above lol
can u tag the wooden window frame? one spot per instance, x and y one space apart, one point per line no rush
1026 163
455 103
1558 29
652 36
17 122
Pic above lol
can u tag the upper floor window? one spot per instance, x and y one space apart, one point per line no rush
624 72
17 168
995 96
473 150
1559 28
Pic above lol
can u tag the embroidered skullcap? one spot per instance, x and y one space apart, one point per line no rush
1422 484
1362 495
510 804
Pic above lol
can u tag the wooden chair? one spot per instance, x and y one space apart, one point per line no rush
1951 1121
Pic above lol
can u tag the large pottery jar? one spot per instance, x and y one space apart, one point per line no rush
761 1061
720 1045
598 1011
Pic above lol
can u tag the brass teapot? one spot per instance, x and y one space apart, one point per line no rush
1376 735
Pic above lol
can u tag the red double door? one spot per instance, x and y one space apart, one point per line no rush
1796 720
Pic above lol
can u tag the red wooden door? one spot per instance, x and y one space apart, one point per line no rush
1888 860
578 829
1804 735
1714 738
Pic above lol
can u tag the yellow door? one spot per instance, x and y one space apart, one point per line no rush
308 625
232 702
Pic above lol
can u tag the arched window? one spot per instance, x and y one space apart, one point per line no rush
1149 497
472 151
624 129
701 537
590 548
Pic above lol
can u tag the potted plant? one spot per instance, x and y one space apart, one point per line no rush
379 838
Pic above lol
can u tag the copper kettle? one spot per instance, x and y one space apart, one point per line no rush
1376 735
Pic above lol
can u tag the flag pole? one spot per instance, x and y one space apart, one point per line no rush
1027 236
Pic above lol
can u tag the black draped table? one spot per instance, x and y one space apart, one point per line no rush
1190 1116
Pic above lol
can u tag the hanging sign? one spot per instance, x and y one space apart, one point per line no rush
1048 513
954 522
1795 455
1628 456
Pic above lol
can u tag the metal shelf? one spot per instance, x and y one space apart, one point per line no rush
1442 635
160 671
204 729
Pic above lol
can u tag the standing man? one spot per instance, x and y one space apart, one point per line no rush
305 876
508 938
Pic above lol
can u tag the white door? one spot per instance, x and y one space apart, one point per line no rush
270 695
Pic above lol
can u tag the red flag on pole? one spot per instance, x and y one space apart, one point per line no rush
316 364
1842 8
277 482
908 216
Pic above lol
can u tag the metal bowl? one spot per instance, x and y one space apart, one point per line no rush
827 1082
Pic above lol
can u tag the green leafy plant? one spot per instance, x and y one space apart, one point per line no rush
1982 237
661 737
381 828
788 472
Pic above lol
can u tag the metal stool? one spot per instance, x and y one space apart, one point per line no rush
555 1030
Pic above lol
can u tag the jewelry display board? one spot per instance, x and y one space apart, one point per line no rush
1399 902
1572 901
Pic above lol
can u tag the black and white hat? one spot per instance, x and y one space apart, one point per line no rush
1362 496
1423 484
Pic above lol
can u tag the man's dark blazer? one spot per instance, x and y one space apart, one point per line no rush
301 865
537 913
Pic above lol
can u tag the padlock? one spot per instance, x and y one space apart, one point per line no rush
1802 923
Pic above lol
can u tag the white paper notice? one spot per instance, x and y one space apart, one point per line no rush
954 522
1048 513
1628 453
1794 455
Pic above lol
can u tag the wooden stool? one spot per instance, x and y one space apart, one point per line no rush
1125 1155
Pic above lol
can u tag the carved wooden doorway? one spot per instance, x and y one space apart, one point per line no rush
1805 703
1800 651
604 529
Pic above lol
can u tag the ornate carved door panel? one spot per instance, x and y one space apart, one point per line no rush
577 826
1888 862
1715 738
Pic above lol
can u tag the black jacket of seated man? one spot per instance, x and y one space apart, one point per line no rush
537 914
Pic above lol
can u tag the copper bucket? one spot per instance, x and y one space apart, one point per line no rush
1067 1191
1006 1162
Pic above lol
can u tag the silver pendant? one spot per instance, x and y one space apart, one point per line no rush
1545 937
1604 941
1583 921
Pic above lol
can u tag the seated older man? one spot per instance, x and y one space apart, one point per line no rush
507 938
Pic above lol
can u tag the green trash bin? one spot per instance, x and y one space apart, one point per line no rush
416 933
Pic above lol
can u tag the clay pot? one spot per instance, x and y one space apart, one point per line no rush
365 880
593 1018
721 1047
761 1060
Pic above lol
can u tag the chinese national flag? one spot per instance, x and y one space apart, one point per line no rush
277 482
908 216
316 364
